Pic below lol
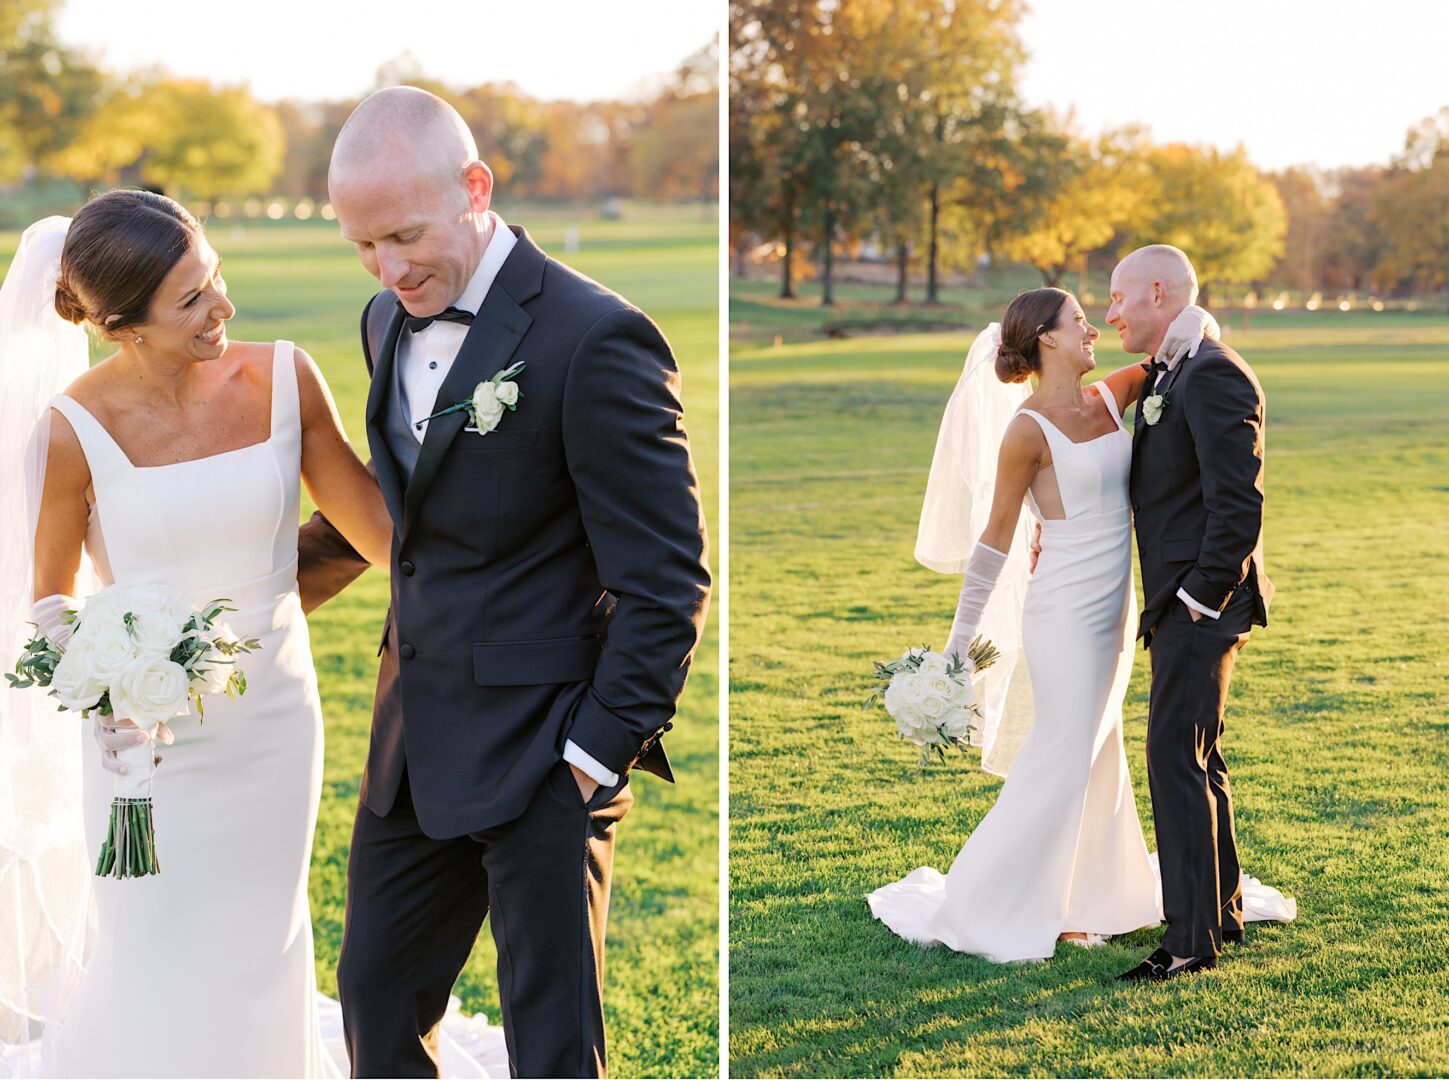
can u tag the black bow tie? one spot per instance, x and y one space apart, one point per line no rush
1156 365
418 323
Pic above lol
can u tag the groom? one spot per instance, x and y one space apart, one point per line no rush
1197 502
548 591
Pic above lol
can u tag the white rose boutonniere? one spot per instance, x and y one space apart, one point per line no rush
491 399
1152 408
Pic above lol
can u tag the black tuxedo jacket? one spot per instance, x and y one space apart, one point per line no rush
1197 487
548 578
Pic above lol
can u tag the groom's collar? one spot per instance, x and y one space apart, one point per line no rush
500 245
521 275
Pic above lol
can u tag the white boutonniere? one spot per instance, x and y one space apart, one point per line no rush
491 398
1152 408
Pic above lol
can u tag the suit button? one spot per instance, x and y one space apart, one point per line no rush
669 725
407 568
407 651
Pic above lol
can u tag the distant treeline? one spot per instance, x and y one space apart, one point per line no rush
896 126
63 118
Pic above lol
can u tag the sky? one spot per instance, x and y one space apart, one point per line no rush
1328 82
579 50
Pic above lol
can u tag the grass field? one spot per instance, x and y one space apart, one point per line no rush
1337 728
662 978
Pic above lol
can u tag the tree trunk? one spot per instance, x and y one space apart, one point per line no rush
933 280
903 272
827 274
787 269
1202 295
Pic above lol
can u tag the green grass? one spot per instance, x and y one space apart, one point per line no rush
1337 730
662 976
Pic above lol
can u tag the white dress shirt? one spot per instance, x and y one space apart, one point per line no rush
424 359
1201 609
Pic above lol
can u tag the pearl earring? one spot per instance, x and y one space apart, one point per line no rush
138 339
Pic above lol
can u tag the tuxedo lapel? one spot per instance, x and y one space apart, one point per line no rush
384 464
495 334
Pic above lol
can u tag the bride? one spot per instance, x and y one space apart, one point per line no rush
1061 855
177 460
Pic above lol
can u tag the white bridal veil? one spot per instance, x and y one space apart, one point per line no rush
957 505
45 892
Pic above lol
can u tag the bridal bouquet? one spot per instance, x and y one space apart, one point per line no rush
140 653
930 696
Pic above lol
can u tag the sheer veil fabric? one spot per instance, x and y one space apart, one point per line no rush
953 515
45 882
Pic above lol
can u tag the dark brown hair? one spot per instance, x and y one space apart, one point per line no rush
1027 317
119 248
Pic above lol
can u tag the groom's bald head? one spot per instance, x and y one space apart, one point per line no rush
412 196
1150 287
402 129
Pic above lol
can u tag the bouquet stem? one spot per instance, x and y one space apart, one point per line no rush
129 849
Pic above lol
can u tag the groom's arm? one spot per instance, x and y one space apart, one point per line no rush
1224 412
629 457
326 562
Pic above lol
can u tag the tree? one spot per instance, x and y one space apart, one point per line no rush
1217 208
1412 208
1301 191
46 90
181 136
1090 193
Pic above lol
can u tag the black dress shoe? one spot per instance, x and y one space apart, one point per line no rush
1158 967
1234 937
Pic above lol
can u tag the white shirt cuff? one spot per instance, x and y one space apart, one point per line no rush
1189 601
586 763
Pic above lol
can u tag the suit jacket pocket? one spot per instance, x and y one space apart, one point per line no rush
502 439
1181 550
535 663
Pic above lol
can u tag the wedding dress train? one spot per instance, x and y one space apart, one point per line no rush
1062 848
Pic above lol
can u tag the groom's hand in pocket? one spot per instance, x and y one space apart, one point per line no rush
587 784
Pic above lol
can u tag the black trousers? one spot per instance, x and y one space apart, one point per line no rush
1192 802
415 906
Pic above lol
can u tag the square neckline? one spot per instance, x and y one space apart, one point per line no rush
1107 398
271 429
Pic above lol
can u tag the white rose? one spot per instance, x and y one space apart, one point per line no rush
487 409
962 693
934 707
1152 409
957 722
155 630
933 664
212 674
109 651
940 685
72 682
150 690
912 723
507 393
913 687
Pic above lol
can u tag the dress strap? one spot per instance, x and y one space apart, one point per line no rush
286 412
103 455
1105 393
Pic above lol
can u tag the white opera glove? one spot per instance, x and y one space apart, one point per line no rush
982 570
46 614
1186 333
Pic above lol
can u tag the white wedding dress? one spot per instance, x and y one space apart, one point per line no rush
206 969
1062 849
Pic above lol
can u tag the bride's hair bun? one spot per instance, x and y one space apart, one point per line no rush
1011 366
119 248
68 305
1027 317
